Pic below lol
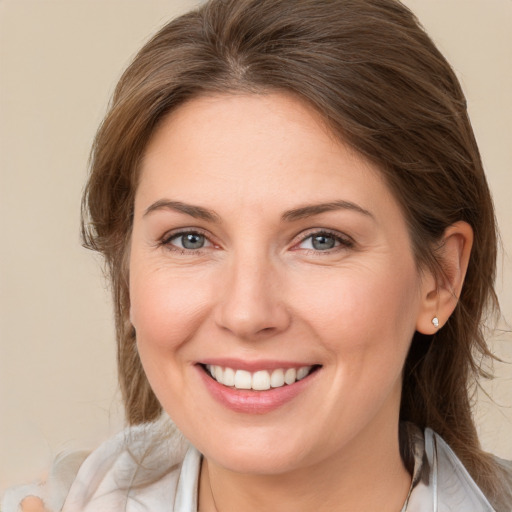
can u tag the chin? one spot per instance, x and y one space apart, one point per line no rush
257 464
262 455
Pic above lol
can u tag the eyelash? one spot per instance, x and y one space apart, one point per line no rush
344 242
168 237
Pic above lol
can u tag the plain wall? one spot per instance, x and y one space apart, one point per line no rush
59 62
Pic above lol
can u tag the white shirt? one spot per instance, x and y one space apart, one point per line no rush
152 468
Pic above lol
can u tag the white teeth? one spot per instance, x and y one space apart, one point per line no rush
277 378
290 376
260 380
302 372
228 378
243 380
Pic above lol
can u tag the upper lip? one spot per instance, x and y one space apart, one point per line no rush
253 366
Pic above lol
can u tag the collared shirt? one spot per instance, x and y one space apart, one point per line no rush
153 468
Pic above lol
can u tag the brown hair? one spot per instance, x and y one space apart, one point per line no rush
375 76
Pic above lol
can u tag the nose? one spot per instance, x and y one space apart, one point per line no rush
250 304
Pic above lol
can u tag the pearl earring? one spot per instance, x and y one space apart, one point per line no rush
435 322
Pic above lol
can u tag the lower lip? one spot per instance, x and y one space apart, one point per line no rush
254 402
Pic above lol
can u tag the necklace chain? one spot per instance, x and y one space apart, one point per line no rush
211 489
404 508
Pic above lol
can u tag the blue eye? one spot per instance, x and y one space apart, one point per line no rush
323 242
190 241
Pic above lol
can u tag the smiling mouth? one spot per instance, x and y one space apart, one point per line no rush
261 380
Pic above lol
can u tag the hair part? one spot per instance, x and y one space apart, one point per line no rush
382 86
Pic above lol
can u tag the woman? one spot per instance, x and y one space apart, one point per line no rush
302 247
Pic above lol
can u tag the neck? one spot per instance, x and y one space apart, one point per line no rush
365 476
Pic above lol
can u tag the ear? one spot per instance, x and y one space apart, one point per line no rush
441 293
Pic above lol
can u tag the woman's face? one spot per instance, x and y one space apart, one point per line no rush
263 246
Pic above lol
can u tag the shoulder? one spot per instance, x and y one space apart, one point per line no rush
138 465
506 474
136 470
56 487
443 482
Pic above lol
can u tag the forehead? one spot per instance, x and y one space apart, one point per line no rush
239 152
240 125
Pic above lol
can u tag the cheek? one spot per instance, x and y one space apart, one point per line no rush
166 311
357 309
165 308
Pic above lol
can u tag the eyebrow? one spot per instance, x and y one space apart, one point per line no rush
316 209
194 211
295 214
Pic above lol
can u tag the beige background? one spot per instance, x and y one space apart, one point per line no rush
59 61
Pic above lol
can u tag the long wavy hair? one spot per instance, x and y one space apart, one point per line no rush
375 76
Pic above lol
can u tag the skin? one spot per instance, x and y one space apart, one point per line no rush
259 289
32 504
